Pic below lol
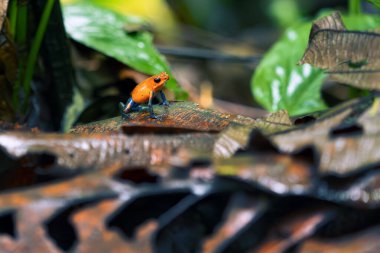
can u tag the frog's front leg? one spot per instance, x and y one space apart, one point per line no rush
165 102
151 94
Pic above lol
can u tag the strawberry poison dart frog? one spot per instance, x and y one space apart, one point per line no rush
144 92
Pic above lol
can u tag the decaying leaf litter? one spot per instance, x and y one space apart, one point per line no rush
229 184
351 57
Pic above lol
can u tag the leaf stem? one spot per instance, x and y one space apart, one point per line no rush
22 24
19 23
35 48
354 7
13 16
13 13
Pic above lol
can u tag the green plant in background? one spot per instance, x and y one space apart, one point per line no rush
354 7
164 23
18 16
105 31
34 50
279 83
19 27
36 27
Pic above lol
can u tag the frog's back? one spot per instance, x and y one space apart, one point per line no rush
140 93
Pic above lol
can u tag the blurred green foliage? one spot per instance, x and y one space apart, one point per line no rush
284 18
375 3
231 17
148 10
105 31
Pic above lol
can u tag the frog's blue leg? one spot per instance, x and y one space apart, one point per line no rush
164 100
129 107
150 106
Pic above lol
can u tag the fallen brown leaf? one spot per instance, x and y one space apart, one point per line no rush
351 57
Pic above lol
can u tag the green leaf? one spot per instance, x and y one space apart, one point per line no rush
279 83
103 30
361 22
375 2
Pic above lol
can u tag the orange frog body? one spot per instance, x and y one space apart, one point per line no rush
144 92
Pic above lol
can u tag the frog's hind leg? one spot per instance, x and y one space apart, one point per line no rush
121 110
129 107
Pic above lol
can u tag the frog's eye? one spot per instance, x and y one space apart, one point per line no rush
157 80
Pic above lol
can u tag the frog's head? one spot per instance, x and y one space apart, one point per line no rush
159 81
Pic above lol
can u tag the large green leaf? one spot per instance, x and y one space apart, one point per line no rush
279 83
104 31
